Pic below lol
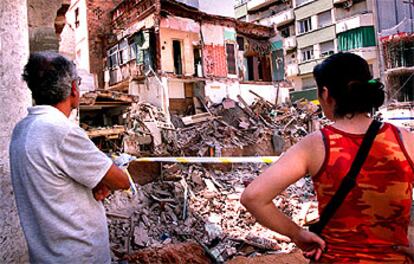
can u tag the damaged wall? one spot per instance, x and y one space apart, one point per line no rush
15 98
46 21
187 40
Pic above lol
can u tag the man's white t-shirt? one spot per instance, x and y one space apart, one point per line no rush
54 167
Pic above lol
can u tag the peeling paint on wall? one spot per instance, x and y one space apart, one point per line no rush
212 34
214 61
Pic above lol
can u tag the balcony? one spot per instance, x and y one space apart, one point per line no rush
368 53
255 5
357 21
284 18
307 66
292 70
289 43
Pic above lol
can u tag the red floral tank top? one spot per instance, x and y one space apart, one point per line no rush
376 213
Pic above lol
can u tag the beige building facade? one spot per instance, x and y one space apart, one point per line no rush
312 30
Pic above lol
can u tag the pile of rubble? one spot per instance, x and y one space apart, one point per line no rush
201 204
150 132
237 129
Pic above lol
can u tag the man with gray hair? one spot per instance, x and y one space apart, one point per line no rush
59 176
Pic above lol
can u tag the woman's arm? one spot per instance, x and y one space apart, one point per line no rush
258 197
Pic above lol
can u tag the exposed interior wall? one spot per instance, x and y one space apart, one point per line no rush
151 91
216 91
182 96
266 91
188 41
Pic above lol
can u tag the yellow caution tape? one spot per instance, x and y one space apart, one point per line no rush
133 188
225 160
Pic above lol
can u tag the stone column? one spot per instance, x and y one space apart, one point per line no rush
14 100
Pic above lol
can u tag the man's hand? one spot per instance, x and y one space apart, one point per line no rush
310 243
101 191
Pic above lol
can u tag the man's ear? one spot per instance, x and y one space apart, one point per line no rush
74 89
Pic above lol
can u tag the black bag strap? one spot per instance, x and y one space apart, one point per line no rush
349 181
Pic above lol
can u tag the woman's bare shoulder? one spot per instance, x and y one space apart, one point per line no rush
314 147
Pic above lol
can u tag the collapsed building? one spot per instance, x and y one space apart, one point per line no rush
170 54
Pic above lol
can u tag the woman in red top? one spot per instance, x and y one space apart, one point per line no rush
371 224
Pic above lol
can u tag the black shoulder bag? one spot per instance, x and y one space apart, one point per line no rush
349 181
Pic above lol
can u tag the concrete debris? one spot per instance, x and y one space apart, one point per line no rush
213 216
227 129
178 203
238 129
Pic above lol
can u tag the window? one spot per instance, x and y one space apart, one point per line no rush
240 43
77 17
285 32
123 52
305 25
327 48
197 62
324 19
231 59
307 54
133 50
113 56
178 64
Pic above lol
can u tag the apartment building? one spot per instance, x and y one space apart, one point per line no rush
311 30
356 30
279 15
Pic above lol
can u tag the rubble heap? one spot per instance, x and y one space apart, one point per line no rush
201 204
150 133
237 129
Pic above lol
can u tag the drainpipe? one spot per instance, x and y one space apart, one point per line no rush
380 51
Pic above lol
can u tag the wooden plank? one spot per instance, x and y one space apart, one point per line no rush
189 120
105 132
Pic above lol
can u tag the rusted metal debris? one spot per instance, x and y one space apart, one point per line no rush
213 214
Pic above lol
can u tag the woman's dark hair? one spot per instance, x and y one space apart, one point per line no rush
49 76
349 82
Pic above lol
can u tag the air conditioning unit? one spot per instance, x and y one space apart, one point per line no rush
327 53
